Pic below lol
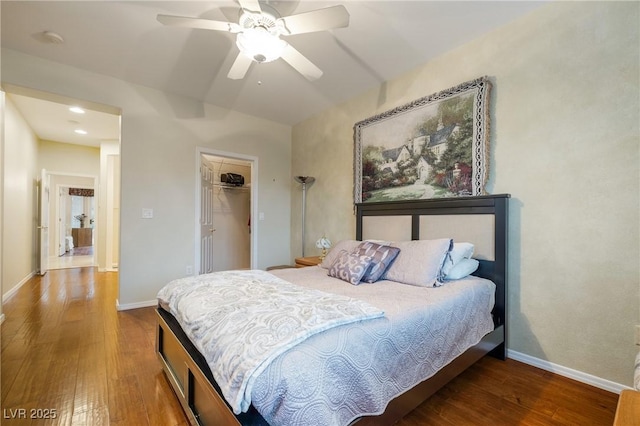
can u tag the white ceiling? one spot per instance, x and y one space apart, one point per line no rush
123 39
53 121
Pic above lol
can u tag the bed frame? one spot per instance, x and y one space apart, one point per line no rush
199 395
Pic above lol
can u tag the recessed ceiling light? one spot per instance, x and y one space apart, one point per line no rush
80 131
76 109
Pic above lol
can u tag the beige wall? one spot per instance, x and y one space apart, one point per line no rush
68 158
160 135
19 216
565 141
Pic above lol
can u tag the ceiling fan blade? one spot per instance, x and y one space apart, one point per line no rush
316 20
240 67
301 63
204 24
250 5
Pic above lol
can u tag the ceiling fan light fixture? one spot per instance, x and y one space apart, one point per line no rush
260 45
259 29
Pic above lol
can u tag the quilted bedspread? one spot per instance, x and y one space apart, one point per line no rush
335 377
213 310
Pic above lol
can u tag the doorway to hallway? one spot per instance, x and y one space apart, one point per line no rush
73 216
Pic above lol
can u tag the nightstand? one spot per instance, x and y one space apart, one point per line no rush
303 262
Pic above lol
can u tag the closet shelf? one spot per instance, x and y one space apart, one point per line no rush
234 187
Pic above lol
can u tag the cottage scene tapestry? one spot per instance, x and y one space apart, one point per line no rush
434 147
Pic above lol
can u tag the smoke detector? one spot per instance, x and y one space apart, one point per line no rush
52 37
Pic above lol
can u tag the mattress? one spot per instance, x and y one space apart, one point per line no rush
353 370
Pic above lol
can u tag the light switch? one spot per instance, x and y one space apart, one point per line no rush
261 216
147 213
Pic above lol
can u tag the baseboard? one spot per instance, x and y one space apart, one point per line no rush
127 306
9 294
567 372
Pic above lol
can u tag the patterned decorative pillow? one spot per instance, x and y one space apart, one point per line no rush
348 245
381 258
349 267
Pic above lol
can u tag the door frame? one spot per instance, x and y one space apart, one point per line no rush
44 207
61 223
96 192
66 186
253 161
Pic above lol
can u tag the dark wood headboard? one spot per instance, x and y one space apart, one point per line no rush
416 214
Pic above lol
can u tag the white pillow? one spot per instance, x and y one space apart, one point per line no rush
462 269
419 262
458 252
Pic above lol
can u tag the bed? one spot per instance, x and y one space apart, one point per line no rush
481 220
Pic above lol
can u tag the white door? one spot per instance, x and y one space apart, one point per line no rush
206 217
43 225
62 220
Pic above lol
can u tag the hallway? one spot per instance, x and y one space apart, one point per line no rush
78 257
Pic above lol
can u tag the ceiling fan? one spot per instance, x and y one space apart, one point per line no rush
258 34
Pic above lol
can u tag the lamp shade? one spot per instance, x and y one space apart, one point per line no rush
323 243
305 179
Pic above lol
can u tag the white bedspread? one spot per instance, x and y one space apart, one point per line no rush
213 310
334 377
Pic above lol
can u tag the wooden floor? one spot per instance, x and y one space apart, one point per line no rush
67 352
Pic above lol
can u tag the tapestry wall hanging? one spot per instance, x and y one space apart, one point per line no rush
434 147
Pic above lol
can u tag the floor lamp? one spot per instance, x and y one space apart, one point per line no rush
304 180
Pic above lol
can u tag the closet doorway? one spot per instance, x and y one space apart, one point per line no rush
226 198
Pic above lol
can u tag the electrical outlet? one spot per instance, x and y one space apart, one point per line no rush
189 270
638 335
